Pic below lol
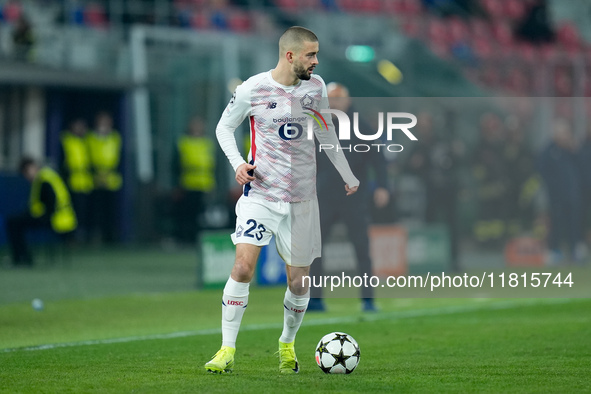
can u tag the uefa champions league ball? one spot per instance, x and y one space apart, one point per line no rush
337 352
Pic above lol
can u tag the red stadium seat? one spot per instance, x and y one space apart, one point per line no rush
94 15
437 31
514 9
480 29
568 36
200 20
402 7
458 30
394 7
371 6
311 4
12 11
413 27
482 48
548 52
412 7
494 8
348 5
526 51
239 21
517 82
288 5
502 33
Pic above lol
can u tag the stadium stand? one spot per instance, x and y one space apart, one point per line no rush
487 41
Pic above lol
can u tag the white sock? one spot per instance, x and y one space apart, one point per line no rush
293 313
234 302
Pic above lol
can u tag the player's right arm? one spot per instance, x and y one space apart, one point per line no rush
236 111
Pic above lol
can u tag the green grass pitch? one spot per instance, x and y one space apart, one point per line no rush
411 346
158 342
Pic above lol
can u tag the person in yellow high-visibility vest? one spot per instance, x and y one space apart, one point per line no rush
104 146
195 165
77 172
50 207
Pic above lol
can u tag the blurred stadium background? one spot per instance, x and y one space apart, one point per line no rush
487 79
156 65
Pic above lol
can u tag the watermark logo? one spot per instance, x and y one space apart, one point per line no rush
392 120
315 115
345 124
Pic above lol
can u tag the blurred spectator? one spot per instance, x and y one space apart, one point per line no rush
104 146
435 162
94 16
454 7
353 210
585 162
490 173
535 26
77 172
219 14
522 183
195 169
559 167
12 11
23 39
49 208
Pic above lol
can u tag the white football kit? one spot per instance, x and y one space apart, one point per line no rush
282 198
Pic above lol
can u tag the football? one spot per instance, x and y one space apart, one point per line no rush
337 352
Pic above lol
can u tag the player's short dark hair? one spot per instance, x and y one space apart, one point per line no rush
25 163
293 38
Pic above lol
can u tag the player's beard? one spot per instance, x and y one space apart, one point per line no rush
301 72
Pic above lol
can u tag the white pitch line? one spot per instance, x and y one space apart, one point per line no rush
441 311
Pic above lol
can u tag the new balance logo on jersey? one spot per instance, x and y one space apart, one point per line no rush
272 105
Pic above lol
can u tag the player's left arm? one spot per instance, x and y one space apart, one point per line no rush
336 156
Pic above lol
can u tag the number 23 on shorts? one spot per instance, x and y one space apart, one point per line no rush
255 230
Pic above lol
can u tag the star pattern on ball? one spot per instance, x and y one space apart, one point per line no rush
341 338
322 347
341 359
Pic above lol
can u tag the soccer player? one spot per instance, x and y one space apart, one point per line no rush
279 193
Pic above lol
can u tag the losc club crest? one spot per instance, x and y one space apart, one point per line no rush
239 231
307 101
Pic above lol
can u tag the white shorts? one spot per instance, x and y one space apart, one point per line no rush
296 227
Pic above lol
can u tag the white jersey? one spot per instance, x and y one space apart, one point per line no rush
285 158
